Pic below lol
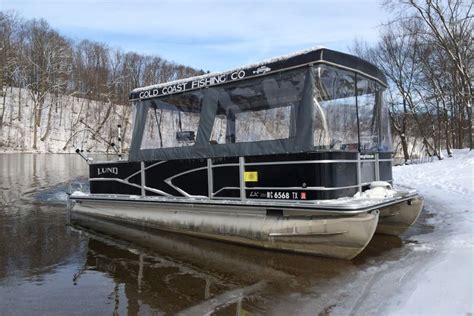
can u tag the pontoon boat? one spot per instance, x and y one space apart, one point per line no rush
293 154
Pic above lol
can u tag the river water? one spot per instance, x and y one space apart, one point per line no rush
50 267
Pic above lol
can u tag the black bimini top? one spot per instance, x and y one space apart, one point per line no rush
295 60
315 100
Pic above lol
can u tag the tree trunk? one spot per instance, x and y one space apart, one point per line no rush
48 125
428 147
438 113
3 107
61 112
102 123
19 103
403 139
403 132
35 127
446 132
470 122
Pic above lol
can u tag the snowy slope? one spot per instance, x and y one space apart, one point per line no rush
445 286
64 115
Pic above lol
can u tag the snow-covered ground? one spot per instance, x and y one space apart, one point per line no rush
430 272
445 284
437 276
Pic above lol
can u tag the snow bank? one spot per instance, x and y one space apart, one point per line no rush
378 190
445 285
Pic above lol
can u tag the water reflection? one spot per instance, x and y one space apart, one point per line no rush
33 237
173 273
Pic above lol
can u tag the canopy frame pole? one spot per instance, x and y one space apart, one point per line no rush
210 184
377 167
357 112
242 178
359 177
142 177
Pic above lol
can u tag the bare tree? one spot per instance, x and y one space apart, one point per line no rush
426 52
46 56
8 57
448 25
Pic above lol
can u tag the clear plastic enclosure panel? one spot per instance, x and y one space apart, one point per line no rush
219 130
260 109
165 128
385 141
268 124
171 122
335 114
369 113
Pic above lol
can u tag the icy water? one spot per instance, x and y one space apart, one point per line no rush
49 267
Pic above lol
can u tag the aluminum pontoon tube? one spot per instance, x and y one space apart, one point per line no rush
320 234
396 218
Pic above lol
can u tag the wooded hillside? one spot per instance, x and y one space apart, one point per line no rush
44 76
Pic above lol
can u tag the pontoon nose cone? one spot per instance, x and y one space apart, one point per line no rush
396 218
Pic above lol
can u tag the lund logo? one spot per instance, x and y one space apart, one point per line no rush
103 170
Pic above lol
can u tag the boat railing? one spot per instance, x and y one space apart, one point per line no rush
242 187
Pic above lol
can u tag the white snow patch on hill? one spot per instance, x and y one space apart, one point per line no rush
66 122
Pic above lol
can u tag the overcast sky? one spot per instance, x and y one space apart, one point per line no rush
210 34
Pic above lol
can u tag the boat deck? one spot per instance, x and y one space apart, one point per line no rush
338 206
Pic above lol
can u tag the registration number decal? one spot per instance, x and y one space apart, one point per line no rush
278 195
